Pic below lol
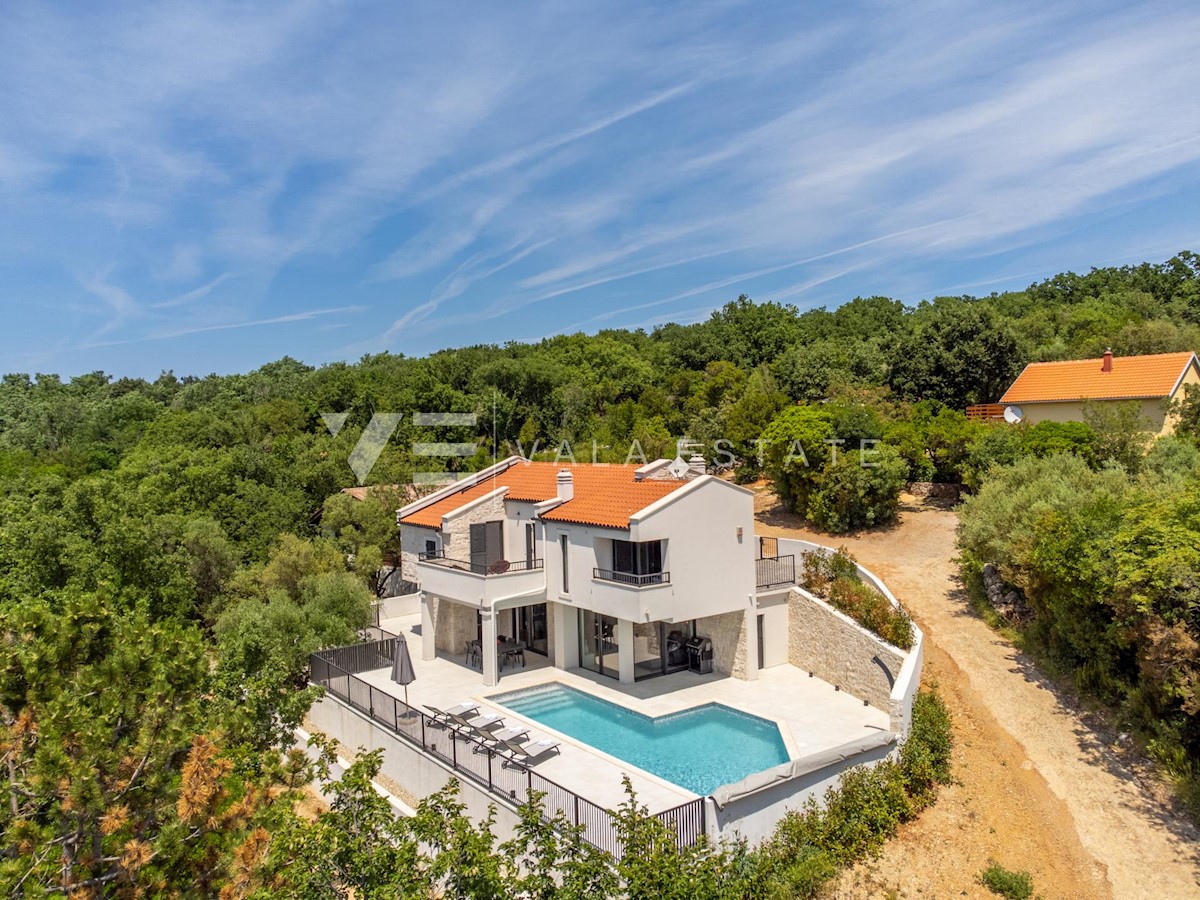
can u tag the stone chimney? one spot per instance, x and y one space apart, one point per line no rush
566 485
696 466
1106 366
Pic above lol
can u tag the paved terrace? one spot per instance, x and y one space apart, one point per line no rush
812 715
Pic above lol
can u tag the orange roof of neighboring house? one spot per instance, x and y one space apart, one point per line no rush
1131 378
605 495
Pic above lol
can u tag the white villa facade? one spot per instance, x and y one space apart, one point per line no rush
645 588
608 568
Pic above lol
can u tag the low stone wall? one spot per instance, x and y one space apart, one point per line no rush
727 632
935 490
908 680
837 649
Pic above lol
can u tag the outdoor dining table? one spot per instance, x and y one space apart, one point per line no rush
507 650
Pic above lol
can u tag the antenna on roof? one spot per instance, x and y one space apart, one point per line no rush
1013 415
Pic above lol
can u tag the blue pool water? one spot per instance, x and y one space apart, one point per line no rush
699 749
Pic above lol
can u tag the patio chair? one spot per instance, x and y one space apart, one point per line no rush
474 657
492 740
443 717
524 755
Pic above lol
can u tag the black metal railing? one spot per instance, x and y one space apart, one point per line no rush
631 578
375 653
485 767
499 567
773 571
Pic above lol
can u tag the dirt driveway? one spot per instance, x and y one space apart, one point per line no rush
1039 787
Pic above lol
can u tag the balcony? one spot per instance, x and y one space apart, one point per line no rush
477 583
628 578
775 571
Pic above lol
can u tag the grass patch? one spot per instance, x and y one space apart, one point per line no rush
1007 883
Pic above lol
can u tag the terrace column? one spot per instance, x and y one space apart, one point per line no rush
428 642
625 658
750 636
491 667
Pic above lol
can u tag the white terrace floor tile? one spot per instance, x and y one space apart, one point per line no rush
812 716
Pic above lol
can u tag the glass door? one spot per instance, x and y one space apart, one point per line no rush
531 627
598 643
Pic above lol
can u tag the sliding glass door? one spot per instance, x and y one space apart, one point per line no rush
598 643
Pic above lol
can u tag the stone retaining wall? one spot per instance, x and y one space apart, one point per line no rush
837 649
727 632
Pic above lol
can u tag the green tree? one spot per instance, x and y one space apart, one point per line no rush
796 446
860 489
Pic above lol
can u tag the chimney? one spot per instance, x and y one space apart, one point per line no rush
1106 366
566 485
696 466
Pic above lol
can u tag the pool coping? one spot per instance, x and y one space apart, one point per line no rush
582 680
632 703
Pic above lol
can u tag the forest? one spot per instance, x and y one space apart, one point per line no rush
172 550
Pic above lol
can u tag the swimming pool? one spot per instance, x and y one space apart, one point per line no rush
698 749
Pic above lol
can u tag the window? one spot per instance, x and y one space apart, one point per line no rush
644 558
565 546
431 548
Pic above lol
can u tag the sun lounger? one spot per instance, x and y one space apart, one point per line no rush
470 723
492 740
526 754
443 717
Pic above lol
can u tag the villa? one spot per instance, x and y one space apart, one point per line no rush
610 568
584 625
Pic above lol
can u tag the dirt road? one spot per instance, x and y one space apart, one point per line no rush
1039 788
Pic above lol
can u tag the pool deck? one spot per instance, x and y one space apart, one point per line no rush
811 715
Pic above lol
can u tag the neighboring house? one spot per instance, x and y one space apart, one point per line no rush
1057 391
612 568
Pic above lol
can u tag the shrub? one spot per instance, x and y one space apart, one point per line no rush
809 845
834 577
872 611
860 489
925 756
795 452
1006 883
819 568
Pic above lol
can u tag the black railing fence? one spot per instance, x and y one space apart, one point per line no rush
772 571
631 578
499 567
482 766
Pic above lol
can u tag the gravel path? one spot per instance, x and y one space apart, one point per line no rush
1040 787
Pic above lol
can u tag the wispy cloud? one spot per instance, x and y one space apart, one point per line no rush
305 316
479 177
199 293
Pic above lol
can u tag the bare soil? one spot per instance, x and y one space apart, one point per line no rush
1041 786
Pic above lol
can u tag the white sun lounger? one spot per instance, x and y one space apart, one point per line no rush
526 754
492 740
465 724
443 717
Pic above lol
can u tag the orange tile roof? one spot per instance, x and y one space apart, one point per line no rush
605 495
1132 377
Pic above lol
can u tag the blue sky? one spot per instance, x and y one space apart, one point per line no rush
208 187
